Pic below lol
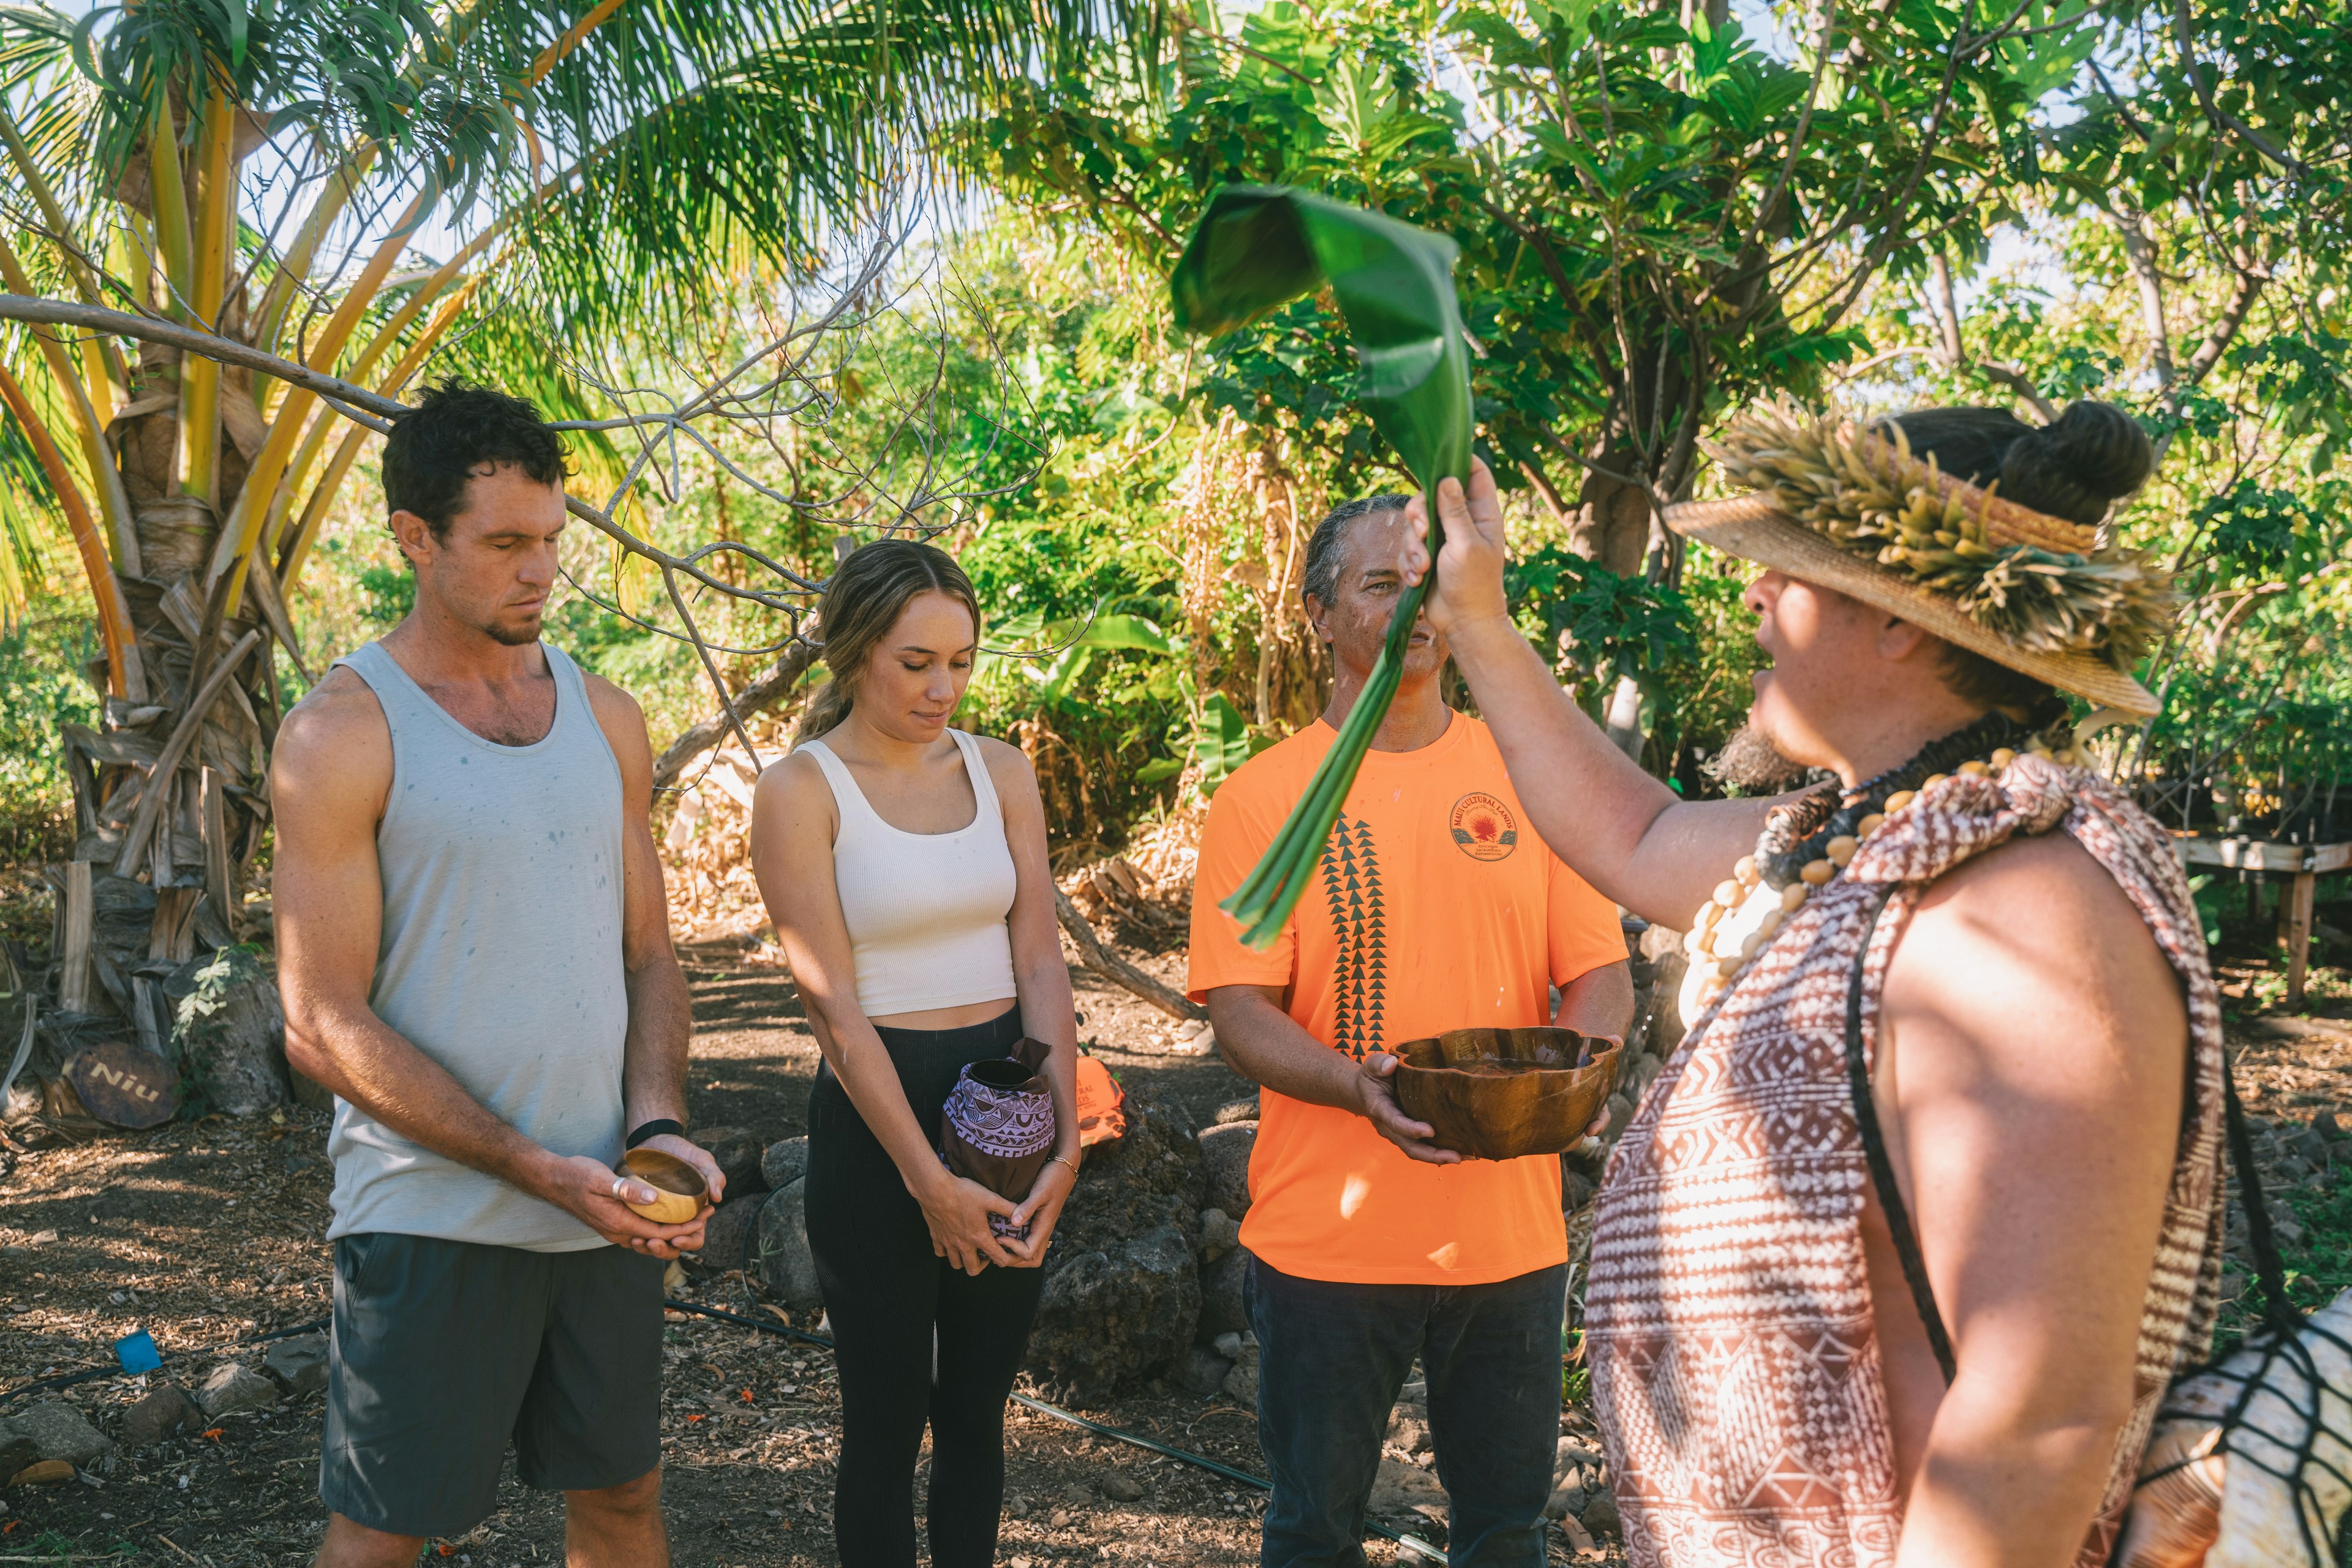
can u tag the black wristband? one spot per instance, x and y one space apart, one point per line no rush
654 1129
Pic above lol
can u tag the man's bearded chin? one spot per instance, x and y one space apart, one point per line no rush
1750 762
514 633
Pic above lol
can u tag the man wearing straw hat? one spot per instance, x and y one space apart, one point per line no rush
1897 1254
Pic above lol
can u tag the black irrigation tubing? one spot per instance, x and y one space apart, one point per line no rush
1412 1543
67 1379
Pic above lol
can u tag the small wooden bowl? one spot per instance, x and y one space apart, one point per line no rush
1499 1094
680 1191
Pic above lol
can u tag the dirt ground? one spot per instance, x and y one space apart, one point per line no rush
212 1234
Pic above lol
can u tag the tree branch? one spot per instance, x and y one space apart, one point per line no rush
1943 304
2184 36
761 693
2225 326
2139 256
211 345
1116 970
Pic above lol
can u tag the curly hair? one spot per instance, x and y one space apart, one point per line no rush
454 433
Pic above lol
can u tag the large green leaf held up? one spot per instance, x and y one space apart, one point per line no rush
1257 247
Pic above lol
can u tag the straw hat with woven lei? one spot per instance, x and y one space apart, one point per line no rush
1848 507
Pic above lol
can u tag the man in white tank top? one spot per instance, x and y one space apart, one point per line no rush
474 952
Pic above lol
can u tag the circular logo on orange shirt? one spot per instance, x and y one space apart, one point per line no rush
1483 826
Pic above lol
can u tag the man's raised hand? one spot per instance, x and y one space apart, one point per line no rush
1469 585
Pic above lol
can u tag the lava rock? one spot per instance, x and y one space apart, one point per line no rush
1409 1430
1571 1457
19 1448
1126 1242
231 1388
1601 1514
1203 1371
736 1152
299 1364
1118 1315
784 1162
61 1431
727 1235
1235 1110
235 1040
1400 1487
1567 1499
307 1092
1220 1295
1640 1076
1220 1234
782 1261
1242 1382
2327 1126
1225 1151
1149 1177
1119 1488
164 1410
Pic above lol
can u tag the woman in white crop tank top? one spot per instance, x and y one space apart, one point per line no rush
904 864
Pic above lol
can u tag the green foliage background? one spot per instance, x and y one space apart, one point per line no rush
1663 212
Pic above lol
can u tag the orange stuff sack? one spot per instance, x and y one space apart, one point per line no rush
1100 1120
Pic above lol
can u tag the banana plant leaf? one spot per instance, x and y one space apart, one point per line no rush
1258 247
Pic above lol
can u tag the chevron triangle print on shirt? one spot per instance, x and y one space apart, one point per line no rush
1432 907
1351 885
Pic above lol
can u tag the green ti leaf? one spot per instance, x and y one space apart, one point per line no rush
1257 247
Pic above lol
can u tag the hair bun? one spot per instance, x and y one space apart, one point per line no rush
2080 464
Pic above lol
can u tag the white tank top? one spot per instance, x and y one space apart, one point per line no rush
926 910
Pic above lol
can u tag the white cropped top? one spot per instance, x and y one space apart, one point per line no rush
926 910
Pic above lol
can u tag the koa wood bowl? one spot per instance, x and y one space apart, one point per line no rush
679 1190
1498 1094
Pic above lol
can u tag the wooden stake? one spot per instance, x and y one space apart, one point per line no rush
2298 934
73 974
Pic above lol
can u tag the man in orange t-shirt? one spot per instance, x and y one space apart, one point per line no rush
1436 909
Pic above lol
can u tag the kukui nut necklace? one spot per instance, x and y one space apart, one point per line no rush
1807 842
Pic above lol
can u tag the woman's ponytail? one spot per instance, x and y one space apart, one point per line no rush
827 709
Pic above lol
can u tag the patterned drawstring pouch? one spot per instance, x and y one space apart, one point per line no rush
998 1127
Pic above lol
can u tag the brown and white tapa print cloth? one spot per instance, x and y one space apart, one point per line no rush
1728 1315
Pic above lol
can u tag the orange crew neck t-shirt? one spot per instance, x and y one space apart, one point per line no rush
1438 907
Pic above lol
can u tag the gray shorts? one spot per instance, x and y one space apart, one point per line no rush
446 1350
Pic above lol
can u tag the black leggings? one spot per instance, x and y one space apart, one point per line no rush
888 1295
